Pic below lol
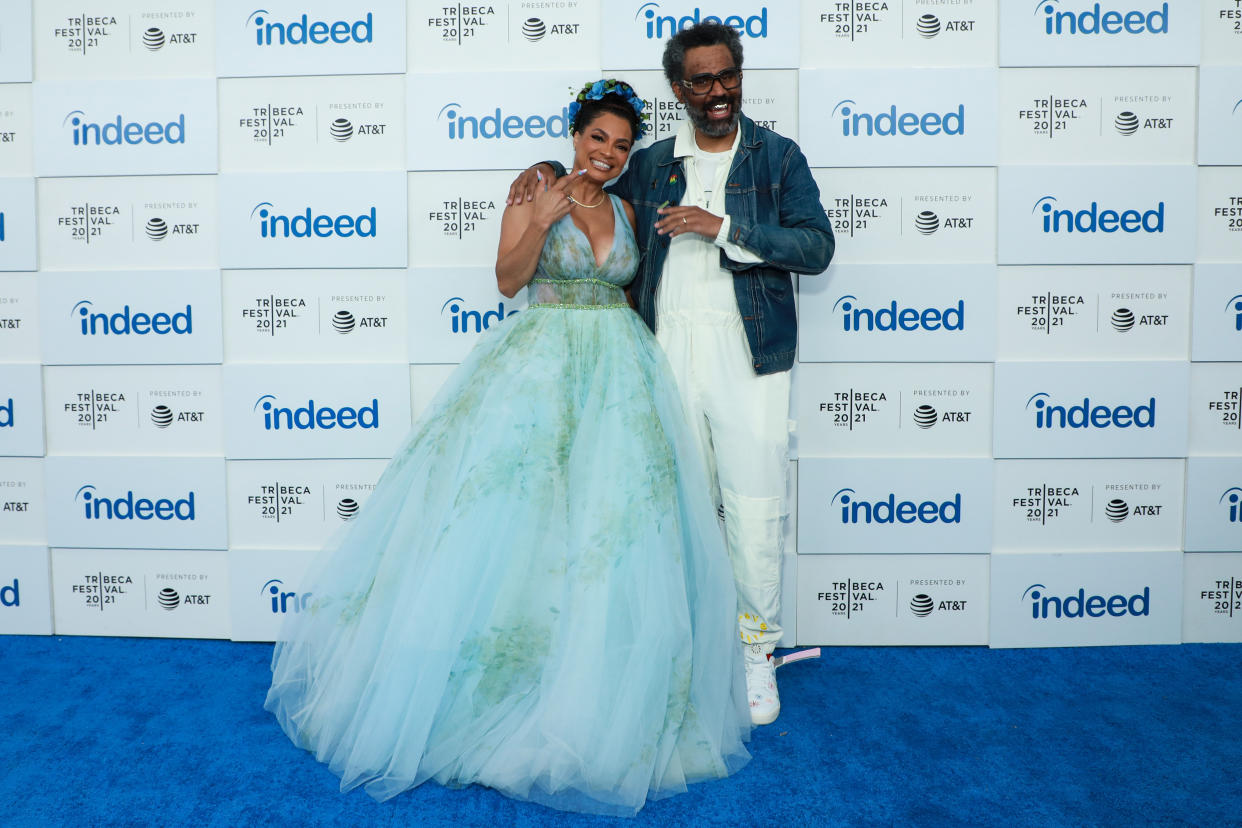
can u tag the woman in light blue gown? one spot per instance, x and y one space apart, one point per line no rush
536 596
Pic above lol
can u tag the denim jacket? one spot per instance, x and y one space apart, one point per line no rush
774 211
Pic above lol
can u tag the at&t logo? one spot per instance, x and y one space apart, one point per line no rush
659 27
499 125
890 122
307 224
127 507
126 321
284 602
1232 501
312 416
120 131
889 510
892 318
1086 415
1081 605
1096 21
301 31
1092 219
472 321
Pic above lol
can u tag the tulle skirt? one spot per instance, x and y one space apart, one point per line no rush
536 596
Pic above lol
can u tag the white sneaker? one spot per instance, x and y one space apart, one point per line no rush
765 703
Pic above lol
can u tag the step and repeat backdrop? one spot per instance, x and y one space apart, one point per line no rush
243 247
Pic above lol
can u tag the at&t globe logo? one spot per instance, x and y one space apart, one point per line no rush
1081 605
308 224
1094 220
889 510
892 317
129 507
87 133
466 321
660 27
302 31
129 322
1089 415
890 122
314 416
1095 20
497 125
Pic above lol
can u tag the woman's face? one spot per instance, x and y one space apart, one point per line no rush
602 146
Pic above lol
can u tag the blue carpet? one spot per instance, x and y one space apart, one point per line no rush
106 731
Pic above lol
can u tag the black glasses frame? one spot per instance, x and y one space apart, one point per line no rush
707 80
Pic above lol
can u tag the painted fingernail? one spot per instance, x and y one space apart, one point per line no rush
582 172
538 175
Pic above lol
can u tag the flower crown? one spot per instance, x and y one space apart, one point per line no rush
611 86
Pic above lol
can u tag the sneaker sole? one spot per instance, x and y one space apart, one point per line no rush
763 720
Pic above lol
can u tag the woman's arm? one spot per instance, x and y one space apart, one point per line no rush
524 228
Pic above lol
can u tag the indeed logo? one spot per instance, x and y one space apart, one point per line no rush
472 321
305 225
892 510
1081 605
11 596
889 122
1236 309
659 27
284 602
6 414
129 508
121 131
1233 497
499 125
126 321
1092 219
311 416
892 318
1 225
301 31
1090 416
1097 21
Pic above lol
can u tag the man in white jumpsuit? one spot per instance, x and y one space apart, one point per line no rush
724 212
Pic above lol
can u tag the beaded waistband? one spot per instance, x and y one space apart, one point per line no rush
586 294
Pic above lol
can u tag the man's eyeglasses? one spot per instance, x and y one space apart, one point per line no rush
702 84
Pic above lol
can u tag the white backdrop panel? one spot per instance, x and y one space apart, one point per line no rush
893 599
23 514
636 30
450 308
915 215
1087 33
1222 31
1213 504
1220 213
309 37
166 317
898 313
1093 312
503 35
455 216
912 33
155 593
19 317
16 127
1212 602
25 588
1093 116
16 63
139 502
1216 332
21 426
17 224
1074 599
890 117
1220 115
127 223
1215 395
264 588
1091 409
1089 504
894 506
117 410
1097 215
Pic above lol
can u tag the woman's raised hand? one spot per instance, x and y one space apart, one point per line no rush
529 182
551 201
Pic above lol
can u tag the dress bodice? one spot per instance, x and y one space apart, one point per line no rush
567 273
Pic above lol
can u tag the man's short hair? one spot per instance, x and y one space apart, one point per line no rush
707 33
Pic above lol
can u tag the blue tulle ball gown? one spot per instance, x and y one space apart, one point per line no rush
536 596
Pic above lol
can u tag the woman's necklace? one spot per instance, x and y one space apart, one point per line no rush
573 200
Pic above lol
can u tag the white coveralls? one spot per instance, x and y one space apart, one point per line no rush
741 419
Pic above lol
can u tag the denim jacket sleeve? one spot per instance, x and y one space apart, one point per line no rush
801 239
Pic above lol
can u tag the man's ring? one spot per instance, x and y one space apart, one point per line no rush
683 220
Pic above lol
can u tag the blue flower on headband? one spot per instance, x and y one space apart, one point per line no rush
611 86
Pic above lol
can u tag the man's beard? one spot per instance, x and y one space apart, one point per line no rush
710 128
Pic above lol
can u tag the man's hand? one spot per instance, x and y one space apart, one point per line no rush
529 182
677 220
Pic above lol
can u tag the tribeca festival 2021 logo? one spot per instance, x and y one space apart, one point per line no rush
848 597
458 23
1094 220
308 224
1062 20
466 320
282 602
889 510
119 131
129 507
657 26
1088 415
302 31
126 321
1080 605
314 416
103 590
280 500
889 122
